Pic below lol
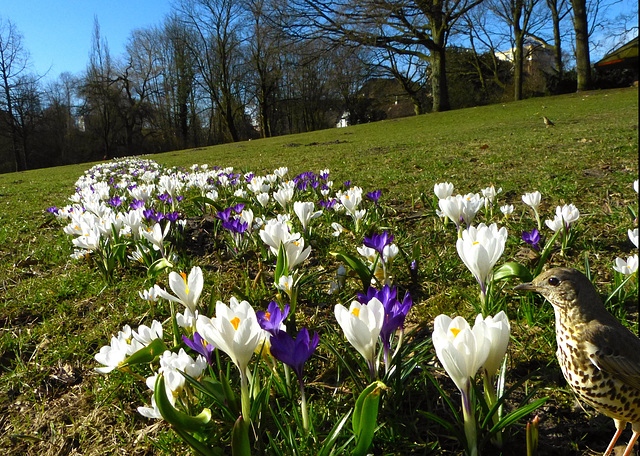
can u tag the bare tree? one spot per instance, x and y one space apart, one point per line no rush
101 94
523 18
216 48
264 44
559 9
409 27
14 61
485 40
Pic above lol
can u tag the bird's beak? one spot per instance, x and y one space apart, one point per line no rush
525 287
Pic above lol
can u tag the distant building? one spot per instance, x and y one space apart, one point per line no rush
538 56
80 124
343 121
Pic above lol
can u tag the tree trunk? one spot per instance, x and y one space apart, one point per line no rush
518 62
581 28
439 88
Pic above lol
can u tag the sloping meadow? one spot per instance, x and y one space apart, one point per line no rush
279 296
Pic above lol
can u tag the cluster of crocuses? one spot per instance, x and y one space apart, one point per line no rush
140 206
236 329
283 215
240 332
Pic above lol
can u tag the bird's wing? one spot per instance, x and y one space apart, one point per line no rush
616 350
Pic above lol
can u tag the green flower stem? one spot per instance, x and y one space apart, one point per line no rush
491 398
537 219
469 422
244 395
303 407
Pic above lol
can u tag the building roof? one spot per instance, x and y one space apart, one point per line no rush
626 56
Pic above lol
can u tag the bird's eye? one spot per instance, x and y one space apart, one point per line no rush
554 281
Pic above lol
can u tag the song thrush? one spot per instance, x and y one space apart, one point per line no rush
547 121
598 356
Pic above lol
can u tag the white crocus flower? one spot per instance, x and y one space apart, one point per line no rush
112 355
507 209
351 199
480 248
361 325
283 196
115 354
490 194
452 207
337 229
296 253
155 235
633 236
462 350
569 213
443 190
234 330
285 284
89 240
145 334
305 213
555 224
497 332
187 289
151 294
627 267
471 204
263 199
276 232
532 199
281 172
187 320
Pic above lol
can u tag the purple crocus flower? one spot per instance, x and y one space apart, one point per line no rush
532 238
378 241
395 313
115 201
294 353
148 213
272 319
237 226
157 216
172 216
374 196
328 204
237 208
347 184
201 346
52 210
136 204
165 198
224 215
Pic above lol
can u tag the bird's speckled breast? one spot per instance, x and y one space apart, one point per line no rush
595 387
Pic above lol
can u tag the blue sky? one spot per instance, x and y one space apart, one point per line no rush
58 33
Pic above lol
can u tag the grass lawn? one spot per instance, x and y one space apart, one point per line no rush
56 313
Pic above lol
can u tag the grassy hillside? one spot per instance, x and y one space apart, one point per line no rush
56 313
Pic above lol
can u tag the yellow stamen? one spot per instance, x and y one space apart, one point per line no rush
267 315
235 322
184 277
455 331
356 312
